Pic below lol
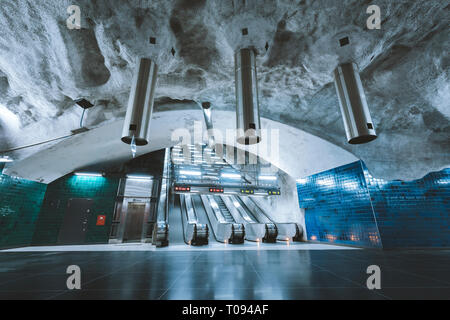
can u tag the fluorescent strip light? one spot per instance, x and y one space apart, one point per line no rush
87 174
133 177
268 178
6 159
190 173
231 175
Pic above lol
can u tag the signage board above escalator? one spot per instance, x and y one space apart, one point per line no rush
201 189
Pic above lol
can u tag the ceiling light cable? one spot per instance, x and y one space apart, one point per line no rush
38 143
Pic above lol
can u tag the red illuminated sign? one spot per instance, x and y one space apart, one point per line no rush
216 190
182 189
101 220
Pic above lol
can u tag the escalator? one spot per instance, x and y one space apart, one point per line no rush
254 231
200 212
222 223
286 231
256 215
224 210
195 232
160 234
176 234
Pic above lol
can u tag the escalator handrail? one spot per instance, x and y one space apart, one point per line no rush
258 207
245 213
188 227
237 209
190 211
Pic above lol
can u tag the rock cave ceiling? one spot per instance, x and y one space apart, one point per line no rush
404 66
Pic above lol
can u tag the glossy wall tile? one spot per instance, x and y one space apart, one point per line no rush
20 202
347 205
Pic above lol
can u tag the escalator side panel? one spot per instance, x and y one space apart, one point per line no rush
176 233
286 231
196 233
254 209
203 222
254 212
221 230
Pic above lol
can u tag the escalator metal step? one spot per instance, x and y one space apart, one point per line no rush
223 208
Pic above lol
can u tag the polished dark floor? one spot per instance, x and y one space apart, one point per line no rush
287 274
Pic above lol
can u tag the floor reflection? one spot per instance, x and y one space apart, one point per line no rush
228 275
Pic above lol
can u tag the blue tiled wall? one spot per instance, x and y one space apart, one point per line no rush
338 207
412 213
20 202
347 205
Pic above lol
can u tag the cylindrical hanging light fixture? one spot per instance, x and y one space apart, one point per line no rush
140 103
206 107
358 123
247 104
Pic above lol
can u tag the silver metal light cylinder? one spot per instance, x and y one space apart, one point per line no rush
358 123
140 103
247 104
206 107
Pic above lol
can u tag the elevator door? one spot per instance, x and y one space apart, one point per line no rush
75 223
134 223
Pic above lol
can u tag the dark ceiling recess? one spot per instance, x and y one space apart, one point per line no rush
344 41
152 40
85 104
245 31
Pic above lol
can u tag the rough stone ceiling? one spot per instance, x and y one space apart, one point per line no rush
405 70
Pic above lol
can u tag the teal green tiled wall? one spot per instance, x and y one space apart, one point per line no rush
102 190
20 202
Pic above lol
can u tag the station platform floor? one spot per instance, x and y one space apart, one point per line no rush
294 273
212 246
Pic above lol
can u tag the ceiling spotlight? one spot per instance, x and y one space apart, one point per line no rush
83 103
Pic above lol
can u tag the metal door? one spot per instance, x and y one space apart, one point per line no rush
134 223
